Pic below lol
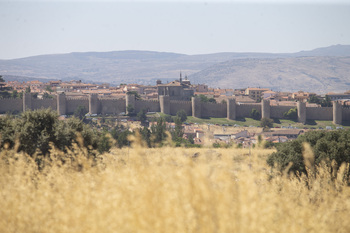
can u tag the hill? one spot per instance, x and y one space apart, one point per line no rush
323 69
314 74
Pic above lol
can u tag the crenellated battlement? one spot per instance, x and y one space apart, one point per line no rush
76 98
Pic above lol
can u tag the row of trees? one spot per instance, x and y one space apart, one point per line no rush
157 133
33 132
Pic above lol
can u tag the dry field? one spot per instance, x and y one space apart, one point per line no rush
167 190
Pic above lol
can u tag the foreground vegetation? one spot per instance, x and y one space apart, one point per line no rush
166 190
77 188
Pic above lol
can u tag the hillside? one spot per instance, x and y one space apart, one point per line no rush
319 70
315 74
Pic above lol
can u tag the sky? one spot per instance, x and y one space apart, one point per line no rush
29 28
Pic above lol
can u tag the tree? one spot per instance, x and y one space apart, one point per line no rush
212 100
35 95
314 99
223 101
146 135
80 112
104 144
266 123
203 98
326 102
130 110
168 118
47 96
182 114
326 146
141 116
2 79
178 132
49 89
159 131
291 114
255 114
28 90
137 96
14 94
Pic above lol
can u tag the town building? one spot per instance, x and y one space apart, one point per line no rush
176 90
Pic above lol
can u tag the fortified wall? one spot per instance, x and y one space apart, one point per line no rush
232 110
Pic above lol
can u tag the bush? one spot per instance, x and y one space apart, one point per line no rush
182 114
80 112
35 130
255 114
291 114
266 123
327 146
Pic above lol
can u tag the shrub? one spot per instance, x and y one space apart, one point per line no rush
266 123
327 146
182 114
35 130
255 114
291 114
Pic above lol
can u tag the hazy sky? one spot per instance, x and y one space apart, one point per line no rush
30 28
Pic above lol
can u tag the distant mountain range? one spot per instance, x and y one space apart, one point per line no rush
321 70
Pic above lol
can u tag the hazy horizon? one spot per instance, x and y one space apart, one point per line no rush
196 27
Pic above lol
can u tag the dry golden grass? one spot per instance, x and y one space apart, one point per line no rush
167 190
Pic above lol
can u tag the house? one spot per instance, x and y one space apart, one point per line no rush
176 90
255 93
289 133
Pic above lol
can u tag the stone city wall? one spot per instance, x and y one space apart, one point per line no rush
177 105
112 106
278 111
73 103
67 105
346 114
149 105
11 105
44 103
319 113
214 110
244 110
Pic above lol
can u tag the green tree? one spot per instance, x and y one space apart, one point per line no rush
203 98
47 96
266 123
146 135
14 94
178 132
223 101
212 100
35 130
326 145
104 144
168 118
137 96
255 114
2 79
131 110
27 90
291 114
314 99
35 95
158 131
141 116
326 102
49 89
80 112
182 114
